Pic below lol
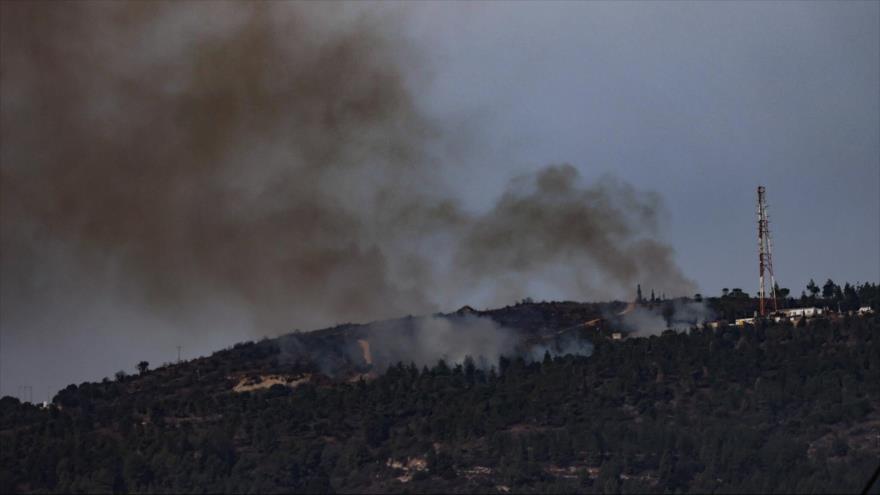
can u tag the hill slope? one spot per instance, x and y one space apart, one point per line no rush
775 408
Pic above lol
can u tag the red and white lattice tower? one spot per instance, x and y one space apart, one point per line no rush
765 258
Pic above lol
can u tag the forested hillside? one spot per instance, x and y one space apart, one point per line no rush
777 408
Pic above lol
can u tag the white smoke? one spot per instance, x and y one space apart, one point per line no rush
568 345
678 315
423 341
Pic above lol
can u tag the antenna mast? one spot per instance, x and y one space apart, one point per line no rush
765 258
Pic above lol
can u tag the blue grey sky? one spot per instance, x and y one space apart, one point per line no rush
699 101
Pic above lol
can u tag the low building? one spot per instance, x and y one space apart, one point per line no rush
740 322
866 310
802 312
616 336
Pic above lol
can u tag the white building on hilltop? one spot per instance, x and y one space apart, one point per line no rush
802 312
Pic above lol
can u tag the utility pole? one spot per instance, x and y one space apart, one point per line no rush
765 258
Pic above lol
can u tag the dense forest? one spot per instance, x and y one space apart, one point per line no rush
765 408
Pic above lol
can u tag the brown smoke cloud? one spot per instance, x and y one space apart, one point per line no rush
271 157
252 155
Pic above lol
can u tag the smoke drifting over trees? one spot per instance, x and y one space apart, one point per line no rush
680 315
432 339
265 165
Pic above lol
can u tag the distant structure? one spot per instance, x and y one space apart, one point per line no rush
765 258
802 312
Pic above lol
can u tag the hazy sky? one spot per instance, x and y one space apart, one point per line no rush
700 102
679 108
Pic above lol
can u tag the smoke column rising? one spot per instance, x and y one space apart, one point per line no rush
679 315
424 341
195 174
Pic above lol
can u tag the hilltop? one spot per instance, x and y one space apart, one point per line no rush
770 407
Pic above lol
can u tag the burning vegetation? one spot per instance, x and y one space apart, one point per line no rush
275 162
261 158
642 414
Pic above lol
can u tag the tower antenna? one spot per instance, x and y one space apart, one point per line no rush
765 257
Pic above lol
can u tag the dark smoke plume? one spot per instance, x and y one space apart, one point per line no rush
184 168
596 240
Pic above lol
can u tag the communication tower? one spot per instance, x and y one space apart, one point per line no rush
765 258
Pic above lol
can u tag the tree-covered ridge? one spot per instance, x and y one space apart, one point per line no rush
736 303
777 408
